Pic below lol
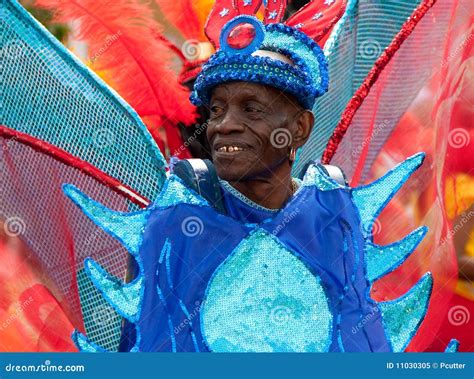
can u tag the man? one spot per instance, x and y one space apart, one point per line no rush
243 129
285 265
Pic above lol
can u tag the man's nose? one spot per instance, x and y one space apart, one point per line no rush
230 123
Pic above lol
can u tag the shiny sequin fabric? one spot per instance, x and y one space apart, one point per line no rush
264 299
315 176
297 279
174 192
401 326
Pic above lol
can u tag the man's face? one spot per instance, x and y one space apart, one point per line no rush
250 129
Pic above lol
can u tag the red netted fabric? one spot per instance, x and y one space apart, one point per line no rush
436 122
44 243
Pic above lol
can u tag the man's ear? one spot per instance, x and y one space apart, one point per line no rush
304 125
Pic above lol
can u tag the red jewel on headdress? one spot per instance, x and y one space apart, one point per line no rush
241 36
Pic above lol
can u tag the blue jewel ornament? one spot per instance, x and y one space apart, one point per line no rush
253 45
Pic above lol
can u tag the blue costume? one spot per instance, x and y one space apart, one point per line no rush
255 280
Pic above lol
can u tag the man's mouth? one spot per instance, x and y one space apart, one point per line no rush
229 148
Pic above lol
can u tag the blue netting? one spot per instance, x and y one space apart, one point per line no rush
356 42
50 95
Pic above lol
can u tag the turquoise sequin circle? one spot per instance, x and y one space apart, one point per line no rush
263 298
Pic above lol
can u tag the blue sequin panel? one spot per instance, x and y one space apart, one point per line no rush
174 192
264 299
315 176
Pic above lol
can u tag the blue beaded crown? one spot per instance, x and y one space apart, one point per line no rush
305 80
305 76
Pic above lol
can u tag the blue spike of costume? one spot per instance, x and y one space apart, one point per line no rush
381 260
452 346
255 280
84 345
403 316
125 298
371 199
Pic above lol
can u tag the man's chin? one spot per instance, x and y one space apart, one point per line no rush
228 175
228 172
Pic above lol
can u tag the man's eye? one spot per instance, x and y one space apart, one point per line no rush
216 110
252 110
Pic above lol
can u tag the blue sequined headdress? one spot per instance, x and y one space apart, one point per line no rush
238 35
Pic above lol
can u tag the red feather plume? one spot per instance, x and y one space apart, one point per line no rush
183 17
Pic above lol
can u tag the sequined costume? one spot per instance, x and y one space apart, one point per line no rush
260 282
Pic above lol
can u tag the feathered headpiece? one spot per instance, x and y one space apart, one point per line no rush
238 35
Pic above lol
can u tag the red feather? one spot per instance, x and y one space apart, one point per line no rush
128 45
183 17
